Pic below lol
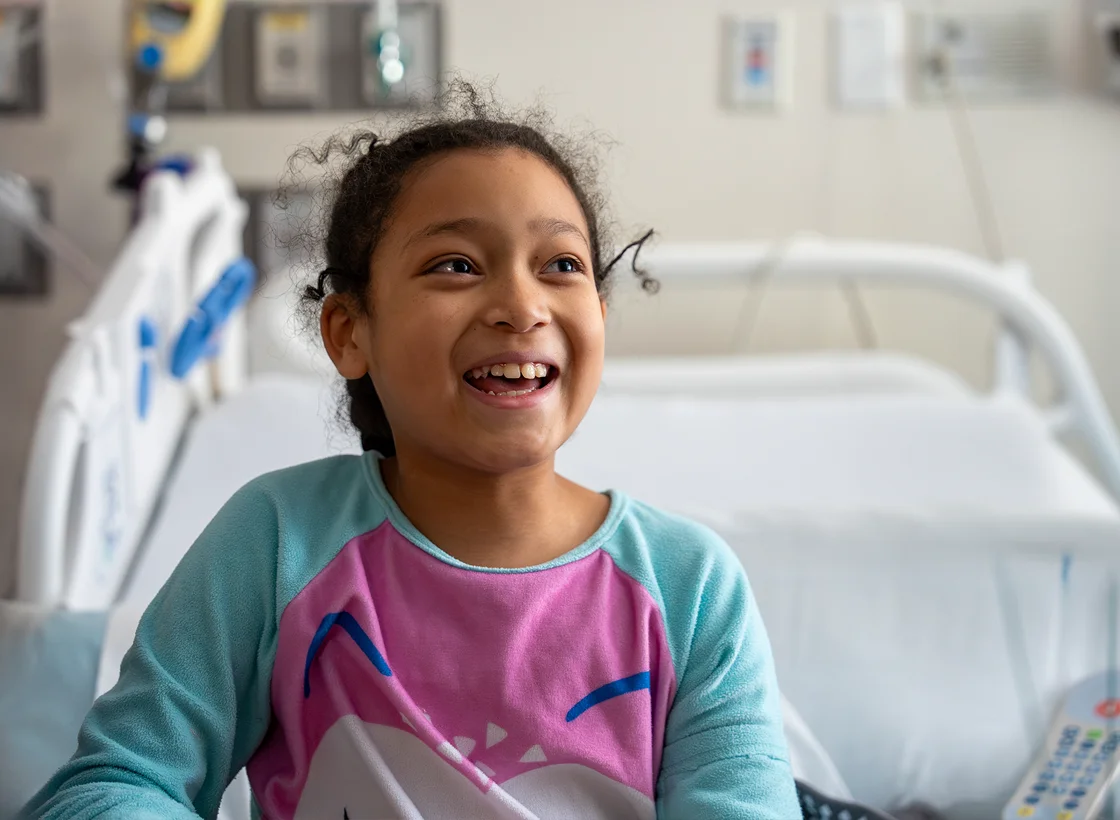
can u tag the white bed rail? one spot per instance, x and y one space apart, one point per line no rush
113 416
1028 318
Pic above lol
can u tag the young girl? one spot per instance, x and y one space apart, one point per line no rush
443 627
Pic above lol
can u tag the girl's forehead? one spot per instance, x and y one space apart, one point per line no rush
466 182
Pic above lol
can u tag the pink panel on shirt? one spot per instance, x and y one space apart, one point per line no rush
473 655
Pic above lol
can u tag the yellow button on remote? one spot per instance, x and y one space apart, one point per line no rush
1025 811
1065 815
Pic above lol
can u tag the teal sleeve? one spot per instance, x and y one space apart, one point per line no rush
192 701
725 751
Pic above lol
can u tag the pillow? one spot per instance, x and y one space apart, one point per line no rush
808 759
48 668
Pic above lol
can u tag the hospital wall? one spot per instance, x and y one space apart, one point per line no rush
644 72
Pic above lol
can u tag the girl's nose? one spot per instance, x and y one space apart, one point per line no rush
518 303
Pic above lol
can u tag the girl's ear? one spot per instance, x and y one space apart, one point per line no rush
340 328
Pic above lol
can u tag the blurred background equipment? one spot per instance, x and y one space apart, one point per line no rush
21 80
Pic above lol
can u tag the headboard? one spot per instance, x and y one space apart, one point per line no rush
113 414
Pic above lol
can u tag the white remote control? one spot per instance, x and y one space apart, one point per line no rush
1070 779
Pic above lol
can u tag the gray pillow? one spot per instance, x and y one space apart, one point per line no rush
48 673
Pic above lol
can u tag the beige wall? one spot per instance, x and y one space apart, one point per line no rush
645 72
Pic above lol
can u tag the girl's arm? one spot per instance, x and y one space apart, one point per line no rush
192 702
725 751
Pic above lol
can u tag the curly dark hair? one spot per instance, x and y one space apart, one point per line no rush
366 187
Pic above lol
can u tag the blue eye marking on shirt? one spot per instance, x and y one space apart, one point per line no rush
352 628
622 686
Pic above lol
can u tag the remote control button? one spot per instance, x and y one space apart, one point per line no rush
1025 811
1059 790
1088 744
1072 728
1043 776
1081 754
1073 766
1066 778
1040 787
1086 781
1032 799
1061 752
1078 793
1070 804
1053 764
1093 768
1065 815
1108 708
1114 737
1094 734
1067 740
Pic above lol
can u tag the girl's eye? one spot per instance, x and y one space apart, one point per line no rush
565 264
453 266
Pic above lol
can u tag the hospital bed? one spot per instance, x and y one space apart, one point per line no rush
933 565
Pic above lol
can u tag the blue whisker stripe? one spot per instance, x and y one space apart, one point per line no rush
622 686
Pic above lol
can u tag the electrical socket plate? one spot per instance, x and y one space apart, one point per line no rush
995 54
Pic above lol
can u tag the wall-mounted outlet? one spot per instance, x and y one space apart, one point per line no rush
869 55
290 56
992 54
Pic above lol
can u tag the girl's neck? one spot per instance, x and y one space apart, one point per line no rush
516 519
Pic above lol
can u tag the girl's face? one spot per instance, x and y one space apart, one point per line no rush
485 332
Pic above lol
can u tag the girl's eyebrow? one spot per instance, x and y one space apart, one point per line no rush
557 227
549 226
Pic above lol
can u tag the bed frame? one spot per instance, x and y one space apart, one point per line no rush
96 466
113 414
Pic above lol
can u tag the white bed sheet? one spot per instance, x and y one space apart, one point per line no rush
902 453
928 654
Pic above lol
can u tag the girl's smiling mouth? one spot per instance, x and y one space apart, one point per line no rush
518 381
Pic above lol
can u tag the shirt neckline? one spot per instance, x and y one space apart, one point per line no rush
371 461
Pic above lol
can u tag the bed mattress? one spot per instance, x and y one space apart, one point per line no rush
275 422
925 455
907 554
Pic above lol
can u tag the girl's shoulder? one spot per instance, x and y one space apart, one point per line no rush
697 582
668 543
301 517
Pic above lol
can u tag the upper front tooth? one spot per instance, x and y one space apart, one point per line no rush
541 370
497 370
512 371
528 371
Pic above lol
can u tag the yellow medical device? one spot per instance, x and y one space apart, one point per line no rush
174 39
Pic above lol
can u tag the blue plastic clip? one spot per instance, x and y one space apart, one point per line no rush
198 338
149 339
181 164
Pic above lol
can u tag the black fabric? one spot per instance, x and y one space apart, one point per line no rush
816 806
